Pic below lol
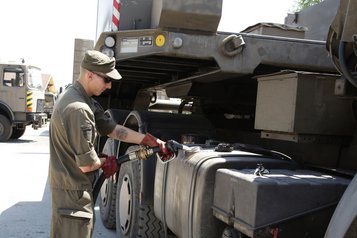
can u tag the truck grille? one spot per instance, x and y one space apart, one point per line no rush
40 105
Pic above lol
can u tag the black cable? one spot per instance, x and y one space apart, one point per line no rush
262 151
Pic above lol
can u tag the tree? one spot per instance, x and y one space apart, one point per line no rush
302 4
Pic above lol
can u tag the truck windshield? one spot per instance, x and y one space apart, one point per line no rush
34 79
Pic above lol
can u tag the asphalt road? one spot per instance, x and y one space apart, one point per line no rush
25 201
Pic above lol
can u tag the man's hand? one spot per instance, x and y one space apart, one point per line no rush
152 141
110 166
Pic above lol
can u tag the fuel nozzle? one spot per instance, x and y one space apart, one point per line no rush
143 153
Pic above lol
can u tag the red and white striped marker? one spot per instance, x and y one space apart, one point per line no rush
116 15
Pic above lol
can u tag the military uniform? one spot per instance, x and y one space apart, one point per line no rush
73 129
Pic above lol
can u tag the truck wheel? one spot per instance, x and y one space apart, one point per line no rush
134 219
17 133
107 203
5 128
108 192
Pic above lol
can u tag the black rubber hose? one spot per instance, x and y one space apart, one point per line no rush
98 184
343 65
122 159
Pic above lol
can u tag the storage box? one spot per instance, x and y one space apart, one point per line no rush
250 202
302 103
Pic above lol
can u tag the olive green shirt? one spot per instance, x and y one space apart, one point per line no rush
73 129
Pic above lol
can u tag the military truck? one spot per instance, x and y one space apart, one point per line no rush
270 115
22 99
50 94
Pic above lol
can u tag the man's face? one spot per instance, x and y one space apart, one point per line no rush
99 83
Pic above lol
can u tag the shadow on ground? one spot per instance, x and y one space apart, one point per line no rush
33 220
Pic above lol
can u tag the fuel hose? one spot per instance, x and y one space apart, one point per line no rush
142 154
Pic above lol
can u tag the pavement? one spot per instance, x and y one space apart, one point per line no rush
25 200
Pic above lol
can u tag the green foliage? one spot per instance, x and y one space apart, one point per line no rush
302 4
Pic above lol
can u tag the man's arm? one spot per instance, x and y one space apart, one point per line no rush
119 133
96 165
125 134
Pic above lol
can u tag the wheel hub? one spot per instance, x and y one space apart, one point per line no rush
104 192
125 204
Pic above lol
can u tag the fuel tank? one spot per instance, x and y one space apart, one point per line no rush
184 188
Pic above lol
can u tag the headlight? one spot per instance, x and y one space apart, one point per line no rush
107 51
109 41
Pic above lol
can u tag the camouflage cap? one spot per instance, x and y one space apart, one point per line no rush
96 61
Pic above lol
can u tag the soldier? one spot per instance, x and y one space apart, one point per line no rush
73 160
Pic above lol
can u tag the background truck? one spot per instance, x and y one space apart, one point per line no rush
22 99
271 109
50 94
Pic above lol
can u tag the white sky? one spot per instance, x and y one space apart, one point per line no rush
43 31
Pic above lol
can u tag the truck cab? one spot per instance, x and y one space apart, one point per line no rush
21 99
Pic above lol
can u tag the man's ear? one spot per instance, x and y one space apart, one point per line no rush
89 75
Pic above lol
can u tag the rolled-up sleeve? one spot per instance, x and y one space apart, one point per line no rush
87 158
81 134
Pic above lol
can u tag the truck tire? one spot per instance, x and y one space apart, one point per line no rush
108 192
17 133
134 219
5 128
107 195
107 203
